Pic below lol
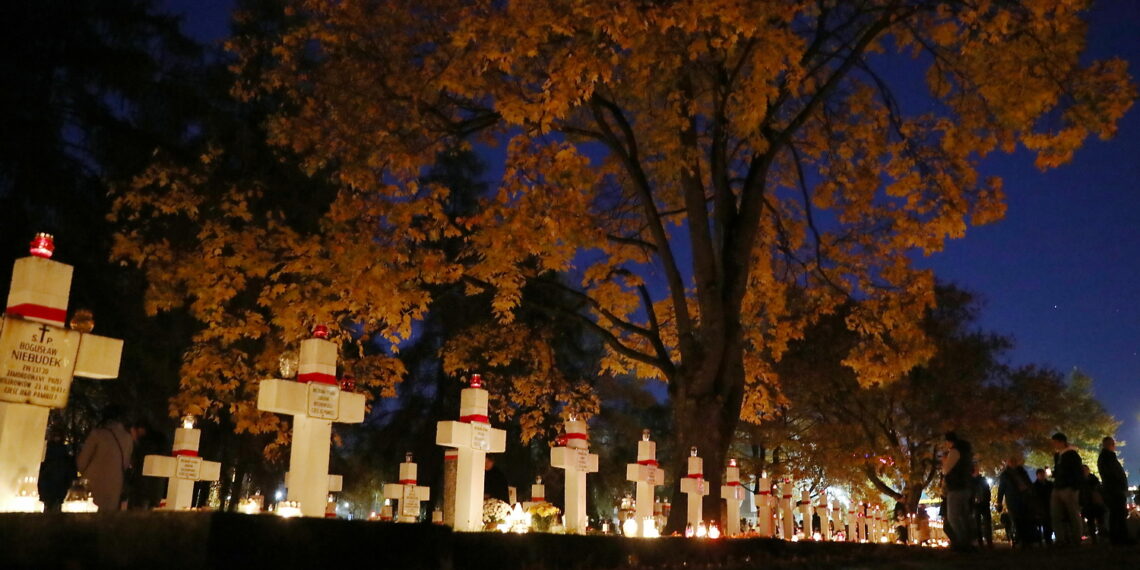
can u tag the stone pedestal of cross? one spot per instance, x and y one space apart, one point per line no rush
646 475
315 401
733 494
576 459
822 512
38 359
473 438
695 487
182 469
765 502
787 510
407 492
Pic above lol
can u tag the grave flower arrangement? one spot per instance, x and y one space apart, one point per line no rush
543 516
495 512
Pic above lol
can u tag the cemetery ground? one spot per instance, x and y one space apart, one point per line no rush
200 540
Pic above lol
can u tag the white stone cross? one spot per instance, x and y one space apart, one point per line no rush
849 522
786 508
315 401
804 505
822 511
764 507
837 518
182 469
473 438
407 492
646 474
576 459
38 359
695 486
733 494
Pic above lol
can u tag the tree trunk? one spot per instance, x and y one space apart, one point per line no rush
708 423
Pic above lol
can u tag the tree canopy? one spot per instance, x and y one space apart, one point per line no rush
715 175
886 439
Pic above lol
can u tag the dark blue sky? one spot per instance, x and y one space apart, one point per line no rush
1061 272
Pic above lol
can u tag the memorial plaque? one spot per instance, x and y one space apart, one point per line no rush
37 362
188 468
409 502
324 401
480 436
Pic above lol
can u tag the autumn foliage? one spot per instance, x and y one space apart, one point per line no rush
711 175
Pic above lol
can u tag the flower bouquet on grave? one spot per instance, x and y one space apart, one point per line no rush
495 513
543 516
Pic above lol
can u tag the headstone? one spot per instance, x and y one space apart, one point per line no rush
733 494
822 512
764 507
408 492
182 469
315 401
804 505
787 510
576 459
38 359
646 474
836 518
537 494
473 438
695 487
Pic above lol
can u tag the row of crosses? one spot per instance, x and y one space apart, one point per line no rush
39 357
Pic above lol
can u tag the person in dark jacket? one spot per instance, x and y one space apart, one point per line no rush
1092 505
1016 491
983 520
495 484
1114 486
957 464
56 474
1042 495
1065 502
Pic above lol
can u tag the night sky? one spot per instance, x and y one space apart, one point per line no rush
1061 272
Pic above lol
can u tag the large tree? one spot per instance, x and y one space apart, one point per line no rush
717 174
887 439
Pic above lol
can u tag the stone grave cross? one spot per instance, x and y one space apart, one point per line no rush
39 358
183 468
315 401
694 485
646 474
732 493
764 503
407 492
576 459
473 438
786 508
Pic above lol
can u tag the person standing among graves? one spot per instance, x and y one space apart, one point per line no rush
1042 496
1115 491
957 464
981 508
56 473
495 484
1017 492
143 492
1065 501
105 457
1092 505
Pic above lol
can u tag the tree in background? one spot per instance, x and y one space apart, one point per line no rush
718 174
886 439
